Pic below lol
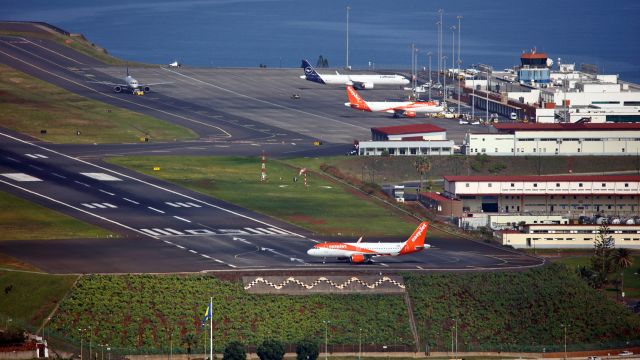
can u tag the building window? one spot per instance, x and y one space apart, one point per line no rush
466 185
603 185
579 184
512 184
557 184
535 185
626 185
490 184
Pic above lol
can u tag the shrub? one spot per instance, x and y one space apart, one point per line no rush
307 350
270 350
235 350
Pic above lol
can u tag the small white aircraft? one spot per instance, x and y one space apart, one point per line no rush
360 252
367 81
175 64
398 108
130 85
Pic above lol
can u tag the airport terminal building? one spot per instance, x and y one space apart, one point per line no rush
517 139
572 196
570 236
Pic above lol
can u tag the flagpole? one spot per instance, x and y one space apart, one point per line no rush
211 330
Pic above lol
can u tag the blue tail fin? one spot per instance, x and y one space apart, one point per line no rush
310 73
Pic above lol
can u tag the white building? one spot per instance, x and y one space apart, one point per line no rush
407 140
515 139
572 196
570 236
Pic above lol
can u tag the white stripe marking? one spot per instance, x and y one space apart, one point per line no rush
161 231
89 206
58 175
194 205
183 219
98 205
32 156
171 204
109 205
174 231
36 167
266 231
149 232
41 156
180 246
106 192
254 231
218 261
205 256
131 201
12 159
168 242
279 231
101 176
156 210
21 177
193 251
182 204
81 183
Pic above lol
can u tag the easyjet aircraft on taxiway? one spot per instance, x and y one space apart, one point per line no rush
360 252
397 108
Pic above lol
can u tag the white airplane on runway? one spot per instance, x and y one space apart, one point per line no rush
366 81
397 108
130 84
360 252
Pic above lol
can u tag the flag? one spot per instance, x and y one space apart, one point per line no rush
207 315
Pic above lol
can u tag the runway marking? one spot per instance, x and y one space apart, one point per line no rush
205 256
183 219
156 210
81 183
254 231
168 242
278 231
195 200
36 167
73 207
175 232
161 231
20 177
53 51
181 204
228 135
101 176
131 201
37 156
180 246
193 251
194 205
58 175
266 231
106 192
89 206
12 159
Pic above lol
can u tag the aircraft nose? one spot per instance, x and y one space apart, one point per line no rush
311 252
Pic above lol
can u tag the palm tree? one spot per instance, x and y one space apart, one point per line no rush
423 166
622 260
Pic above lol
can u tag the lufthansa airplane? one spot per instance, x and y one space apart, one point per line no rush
366 81
360 252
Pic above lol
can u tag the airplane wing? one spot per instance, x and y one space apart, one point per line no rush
108 83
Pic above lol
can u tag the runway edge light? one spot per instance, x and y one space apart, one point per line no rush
156 168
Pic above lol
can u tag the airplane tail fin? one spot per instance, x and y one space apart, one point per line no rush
355 101
310 73
416 240
127 69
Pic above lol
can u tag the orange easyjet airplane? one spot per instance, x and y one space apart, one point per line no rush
408 109
360 252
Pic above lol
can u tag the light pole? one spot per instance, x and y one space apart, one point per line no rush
109 351
430 83
348 10
444 81
360 344
440 23
453 58
487 110
459 17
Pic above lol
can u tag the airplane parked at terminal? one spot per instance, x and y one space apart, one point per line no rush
397 108
130 85
360 252
360 81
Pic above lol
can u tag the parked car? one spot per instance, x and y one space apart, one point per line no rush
626 353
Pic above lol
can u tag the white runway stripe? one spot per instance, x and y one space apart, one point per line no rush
160 231
254 231
21 177
98 205
176 232
194 205
182 204
131 201
171 204
32 156
101 176
150 232
89 206
183 219
266 231
279 231
109 205
156 210
106 192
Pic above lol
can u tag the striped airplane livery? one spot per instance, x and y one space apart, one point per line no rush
397 108
360 81
360 252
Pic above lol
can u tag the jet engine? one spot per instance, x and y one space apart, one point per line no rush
146 89
364 86
410 114
117 89
357 258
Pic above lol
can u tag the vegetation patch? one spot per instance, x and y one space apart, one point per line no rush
31 106
324 206
138 314
23 220
519 311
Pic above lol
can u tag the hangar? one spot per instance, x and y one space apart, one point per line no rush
414 139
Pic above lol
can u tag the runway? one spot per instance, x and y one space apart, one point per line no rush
165 228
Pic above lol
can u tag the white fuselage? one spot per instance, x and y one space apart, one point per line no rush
348 249
364 79
131 83
407 106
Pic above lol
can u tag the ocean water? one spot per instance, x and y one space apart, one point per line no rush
278 33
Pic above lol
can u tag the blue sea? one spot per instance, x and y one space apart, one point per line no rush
278 33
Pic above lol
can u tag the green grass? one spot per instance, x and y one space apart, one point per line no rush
136 313
32 297
518 311
28 105
24 220
324 207
631 275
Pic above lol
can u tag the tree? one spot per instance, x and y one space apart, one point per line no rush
235 350
270 350
622 260
588 275
189 340
422 165
307 350
601 261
